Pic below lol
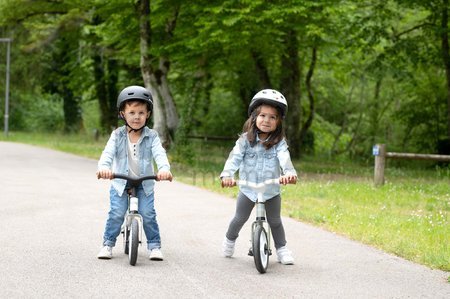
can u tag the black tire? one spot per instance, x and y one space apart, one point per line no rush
133 242
126 237
260 248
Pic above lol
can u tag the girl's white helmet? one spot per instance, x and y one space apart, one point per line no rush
270 97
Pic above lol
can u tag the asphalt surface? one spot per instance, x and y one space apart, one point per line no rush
53 212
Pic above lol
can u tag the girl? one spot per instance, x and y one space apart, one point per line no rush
260 153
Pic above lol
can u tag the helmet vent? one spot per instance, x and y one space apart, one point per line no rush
131 93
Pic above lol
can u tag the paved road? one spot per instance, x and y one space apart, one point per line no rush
52 215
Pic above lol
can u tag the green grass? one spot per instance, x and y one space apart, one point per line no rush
408 219
80 144
408 216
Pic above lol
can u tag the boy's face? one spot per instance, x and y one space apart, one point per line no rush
135 114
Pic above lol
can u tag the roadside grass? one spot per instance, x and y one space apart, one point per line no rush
405 218
408 216
79 144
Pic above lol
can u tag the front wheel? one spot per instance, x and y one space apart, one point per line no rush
260 246
126 238
133 242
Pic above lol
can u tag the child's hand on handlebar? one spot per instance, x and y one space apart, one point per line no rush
164 176
228 182
288 179
104 174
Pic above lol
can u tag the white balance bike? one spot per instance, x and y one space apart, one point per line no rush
132 225
260 235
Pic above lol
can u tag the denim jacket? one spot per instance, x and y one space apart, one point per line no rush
115 157
256 164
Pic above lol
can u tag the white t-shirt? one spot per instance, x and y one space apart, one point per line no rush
133 161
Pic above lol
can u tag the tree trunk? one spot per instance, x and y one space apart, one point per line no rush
172 119
261 70
100 91
148 75
105 80
73 121
105 75
446 57
308 123
290 88
111 91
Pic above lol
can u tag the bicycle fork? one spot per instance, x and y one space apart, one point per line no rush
133 203
261 220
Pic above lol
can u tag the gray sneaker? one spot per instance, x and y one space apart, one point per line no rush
105 253
155 254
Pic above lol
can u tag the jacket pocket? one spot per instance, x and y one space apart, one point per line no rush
250 158
270 159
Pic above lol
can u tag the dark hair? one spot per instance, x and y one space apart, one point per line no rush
252 130
132 101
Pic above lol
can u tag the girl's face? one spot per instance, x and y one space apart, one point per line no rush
267 119
136 113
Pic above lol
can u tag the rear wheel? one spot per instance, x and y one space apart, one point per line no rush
260 248
133 242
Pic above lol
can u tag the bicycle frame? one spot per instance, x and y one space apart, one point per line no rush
133 213
132 230
260 232
261 219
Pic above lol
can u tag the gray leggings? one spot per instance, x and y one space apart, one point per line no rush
244 207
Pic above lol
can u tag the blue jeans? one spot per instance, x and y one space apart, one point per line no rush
116 215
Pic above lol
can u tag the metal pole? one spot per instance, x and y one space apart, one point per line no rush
8 54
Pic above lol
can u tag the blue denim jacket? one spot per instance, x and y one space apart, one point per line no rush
256 164
115 157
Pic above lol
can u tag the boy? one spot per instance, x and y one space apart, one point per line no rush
131 150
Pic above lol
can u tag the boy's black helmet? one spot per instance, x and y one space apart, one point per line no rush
135 92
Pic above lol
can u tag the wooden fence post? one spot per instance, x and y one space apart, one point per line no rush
379 151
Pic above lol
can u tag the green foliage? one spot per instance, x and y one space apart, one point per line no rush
379 75
43 114
325 134
218 120
91 118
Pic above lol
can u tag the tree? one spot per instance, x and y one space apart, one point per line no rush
165 113
54 27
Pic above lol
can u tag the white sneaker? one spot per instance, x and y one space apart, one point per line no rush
105 253
228 247
155 254
284 256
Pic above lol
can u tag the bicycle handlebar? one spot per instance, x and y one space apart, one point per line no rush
134 181
258 185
